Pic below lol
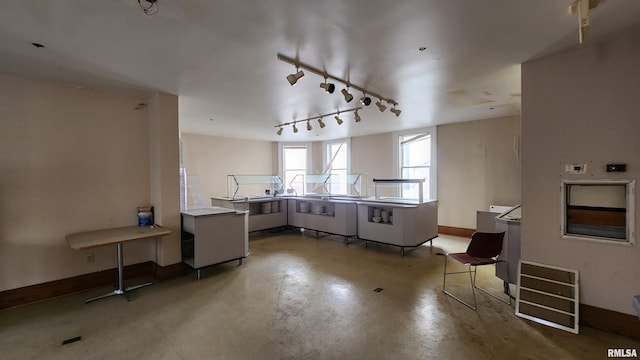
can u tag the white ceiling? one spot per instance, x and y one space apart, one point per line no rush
220 56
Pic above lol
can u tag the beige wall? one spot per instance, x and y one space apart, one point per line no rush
581 106
71 160
372 155
478 165
209 159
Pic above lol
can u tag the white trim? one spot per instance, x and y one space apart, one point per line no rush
630 213
281 145
324 152
433 168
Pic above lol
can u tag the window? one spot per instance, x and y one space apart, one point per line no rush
336 163
293 162
415 156
600 210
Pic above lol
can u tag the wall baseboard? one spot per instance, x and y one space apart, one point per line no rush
455 231
610 321
72 285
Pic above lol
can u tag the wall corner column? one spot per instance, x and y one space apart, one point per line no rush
164 150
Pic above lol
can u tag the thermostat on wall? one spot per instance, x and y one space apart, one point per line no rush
616 167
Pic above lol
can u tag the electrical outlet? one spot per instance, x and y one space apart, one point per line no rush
90 258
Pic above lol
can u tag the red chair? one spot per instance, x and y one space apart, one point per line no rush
484 249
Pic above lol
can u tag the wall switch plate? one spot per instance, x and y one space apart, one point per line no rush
616 167
575 168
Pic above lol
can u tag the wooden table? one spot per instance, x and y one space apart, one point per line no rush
115 236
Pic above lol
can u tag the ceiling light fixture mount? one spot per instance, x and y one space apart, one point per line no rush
293 78
347 96
326 75
380 106
328 87
149 7
365 100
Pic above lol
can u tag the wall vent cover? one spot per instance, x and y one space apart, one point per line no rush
548 295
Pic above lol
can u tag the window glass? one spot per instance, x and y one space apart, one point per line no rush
415 162
336 164
294 159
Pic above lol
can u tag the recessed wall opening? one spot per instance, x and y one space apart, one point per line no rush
599 210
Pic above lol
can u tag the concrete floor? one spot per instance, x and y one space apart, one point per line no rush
298 297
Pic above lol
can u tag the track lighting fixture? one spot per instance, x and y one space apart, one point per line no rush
328 87
365 100
367 95
347 97
381 107
293 78
319 118
395 111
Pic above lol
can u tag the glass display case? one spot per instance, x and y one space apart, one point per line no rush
399 190
341 185
241 186
513 214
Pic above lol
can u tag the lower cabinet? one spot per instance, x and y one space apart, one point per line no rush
214 235
398 224
329 216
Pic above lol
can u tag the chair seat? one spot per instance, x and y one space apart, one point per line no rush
470 260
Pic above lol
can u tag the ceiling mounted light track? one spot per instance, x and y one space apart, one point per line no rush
345 92
395 111
320 122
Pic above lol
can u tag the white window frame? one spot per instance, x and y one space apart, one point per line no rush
281 146
325 159
433 169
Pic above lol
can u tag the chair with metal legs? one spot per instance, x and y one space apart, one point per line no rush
484 249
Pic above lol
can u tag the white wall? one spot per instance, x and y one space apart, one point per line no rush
372 155
581 106
478 165
209 159
70 160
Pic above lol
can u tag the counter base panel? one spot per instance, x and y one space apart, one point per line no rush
402 247
190 263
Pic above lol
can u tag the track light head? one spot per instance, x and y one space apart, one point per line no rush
381 107
347 97
322 124
293 78
365 100
295 129
279 132
338 120
328 87
356 116
309 128
395 111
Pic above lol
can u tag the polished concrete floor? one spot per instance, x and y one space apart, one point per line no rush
298 297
